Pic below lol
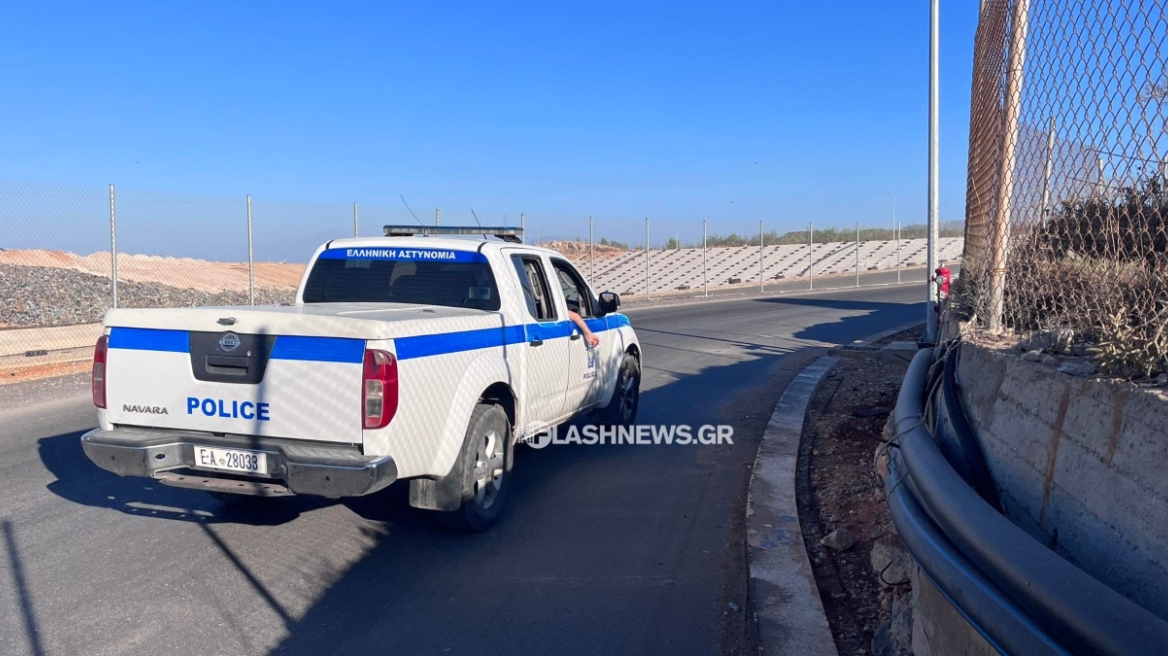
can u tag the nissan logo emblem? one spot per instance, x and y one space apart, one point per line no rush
229 342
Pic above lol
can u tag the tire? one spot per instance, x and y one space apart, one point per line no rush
626 399
482 471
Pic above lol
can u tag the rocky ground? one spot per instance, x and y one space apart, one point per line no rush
860 564
42 296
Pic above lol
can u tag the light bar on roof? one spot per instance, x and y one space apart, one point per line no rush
512 235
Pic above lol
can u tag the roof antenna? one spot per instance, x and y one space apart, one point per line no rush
477 222
403 199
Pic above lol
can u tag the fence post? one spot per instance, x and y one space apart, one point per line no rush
1017 59
810 255
761 283
113 247
705 271
1046 208
648 292
250 257
857 253
934 204
591 256
356 232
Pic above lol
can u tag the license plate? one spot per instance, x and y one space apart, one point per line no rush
236 460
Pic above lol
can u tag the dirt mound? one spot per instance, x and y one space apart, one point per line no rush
215 277
577 251
183 273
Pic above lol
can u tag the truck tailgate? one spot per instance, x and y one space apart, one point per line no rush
290 386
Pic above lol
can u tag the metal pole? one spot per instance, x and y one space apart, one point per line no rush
591 256
437 216
934 164
896 229
705 271
355 232
1099 186
761 283
810 256
1001 234
523 227
250 257
1049 171
857 253
113 247
647 291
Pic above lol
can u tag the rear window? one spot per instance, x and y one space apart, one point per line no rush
427 276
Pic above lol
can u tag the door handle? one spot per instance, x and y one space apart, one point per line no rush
536 342
575 336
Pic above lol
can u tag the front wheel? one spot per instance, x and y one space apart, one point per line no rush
482 471
626 399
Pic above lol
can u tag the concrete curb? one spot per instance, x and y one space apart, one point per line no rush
887 333
783 595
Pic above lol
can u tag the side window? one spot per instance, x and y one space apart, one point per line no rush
577 294
535 287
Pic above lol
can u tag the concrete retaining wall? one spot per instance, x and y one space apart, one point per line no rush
18 341
1081 464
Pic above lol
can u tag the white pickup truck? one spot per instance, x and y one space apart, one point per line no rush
415 356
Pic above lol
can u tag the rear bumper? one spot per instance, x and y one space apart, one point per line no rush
303 468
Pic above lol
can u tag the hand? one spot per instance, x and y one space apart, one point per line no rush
593 340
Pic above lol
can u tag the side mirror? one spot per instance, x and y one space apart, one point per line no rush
609 303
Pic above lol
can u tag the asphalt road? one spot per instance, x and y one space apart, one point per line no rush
604 549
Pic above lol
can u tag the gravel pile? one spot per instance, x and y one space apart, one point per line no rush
40 296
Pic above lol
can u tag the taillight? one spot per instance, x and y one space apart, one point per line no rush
380 388
99 353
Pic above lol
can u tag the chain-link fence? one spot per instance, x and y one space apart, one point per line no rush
68 254
1066 199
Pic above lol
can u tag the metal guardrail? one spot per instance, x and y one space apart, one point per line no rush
1021 596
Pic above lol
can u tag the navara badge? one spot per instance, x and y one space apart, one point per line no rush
229 342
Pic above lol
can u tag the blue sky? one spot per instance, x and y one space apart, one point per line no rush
786 111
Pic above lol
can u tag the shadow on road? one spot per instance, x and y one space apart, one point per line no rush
845 330
605 549
80 481
27 613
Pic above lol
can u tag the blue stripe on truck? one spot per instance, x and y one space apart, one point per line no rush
288 347
341 349
319 349
150 339
421 346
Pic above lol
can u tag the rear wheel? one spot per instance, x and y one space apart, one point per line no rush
626 399
482 471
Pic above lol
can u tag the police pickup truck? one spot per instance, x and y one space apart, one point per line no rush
419 356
